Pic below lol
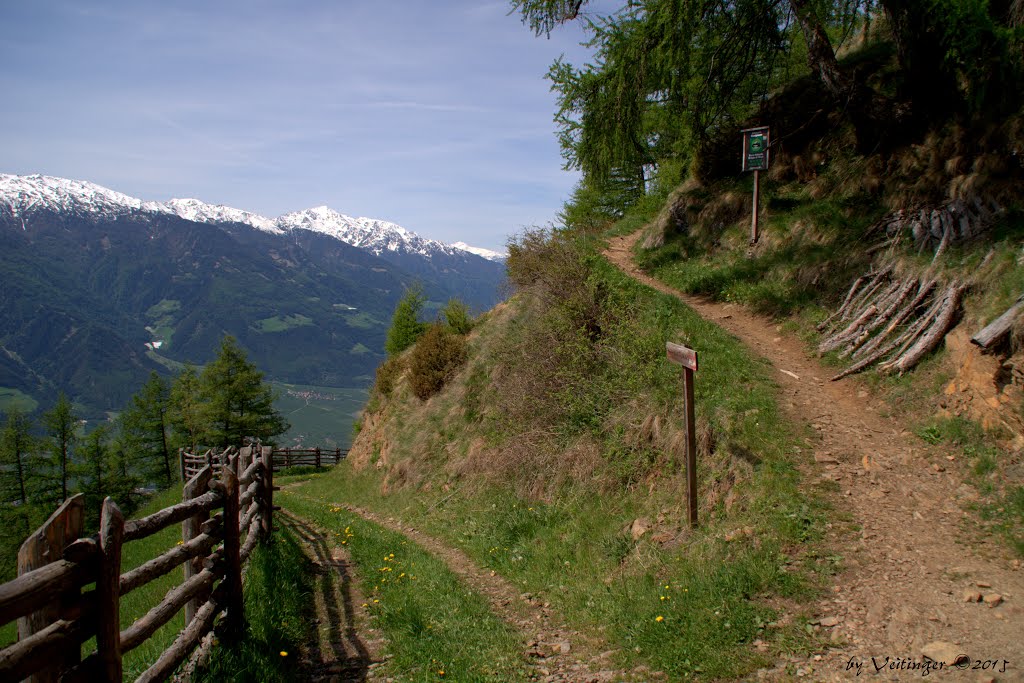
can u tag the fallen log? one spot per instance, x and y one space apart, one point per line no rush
999 327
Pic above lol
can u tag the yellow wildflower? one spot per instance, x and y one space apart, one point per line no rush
659 618
284 653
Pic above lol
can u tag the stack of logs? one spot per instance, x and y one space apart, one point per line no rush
892 320
934 229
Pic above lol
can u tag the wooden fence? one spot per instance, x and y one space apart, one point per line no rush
191 463
55 616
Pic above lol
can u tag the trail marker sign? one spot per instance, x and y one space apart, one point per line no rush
687 357
756 155
756 149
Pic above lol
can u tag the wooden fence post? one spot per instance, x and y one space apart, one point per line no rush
267 522
337 455
318 457
108 593
287 457
47 545
232 560
181 462
196 486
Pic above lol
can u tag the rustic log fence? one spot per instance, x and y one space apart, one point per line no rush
223 516
282 458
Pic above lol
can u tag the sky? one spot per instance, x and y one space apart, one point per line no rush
433 114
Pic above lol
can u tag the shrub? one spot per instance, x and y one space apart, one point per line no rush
437 356
388 373
456 315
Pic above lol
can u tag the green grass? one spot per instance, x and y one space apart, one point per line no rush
362 321
13 399
278 614
432 623
280 324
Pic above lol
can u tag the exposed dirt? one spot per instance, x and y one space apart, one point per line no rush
916 573
557 653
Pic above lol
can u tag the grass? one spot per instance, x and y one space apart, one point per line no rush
986 468
319 415
280 324
435 627
278 615
570 543
13 399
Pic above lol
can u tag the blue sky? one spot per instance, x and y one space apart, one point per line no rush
433 115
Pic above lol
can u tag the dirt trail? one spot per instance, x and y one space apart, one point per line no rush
558 653
910 567
340 654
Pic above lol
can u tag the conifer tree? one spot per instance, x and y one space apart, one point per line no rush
145 428
17 445
186 409
406 327
61 423
237 402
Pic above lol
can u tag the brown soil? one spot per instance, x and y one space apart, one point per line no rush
913 555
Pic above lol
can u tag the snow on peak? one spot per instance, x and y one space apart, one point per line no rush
480 251
201 212
20 195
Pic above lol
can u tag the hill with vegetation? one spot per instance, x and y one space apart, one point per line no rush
546 442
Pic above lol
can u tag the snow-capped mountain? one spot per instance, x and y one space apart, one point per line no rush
100 288
20 195
480 251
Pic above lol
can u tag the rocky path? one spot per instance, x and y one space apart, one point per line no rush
917 579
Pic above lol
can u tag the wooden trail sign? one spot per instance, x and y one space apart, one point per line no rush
687 358
756 156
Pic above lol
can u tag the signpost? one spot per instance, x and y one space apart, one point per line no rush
687 357
756 156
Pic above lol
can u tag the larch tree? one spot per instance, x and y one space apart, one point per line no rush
145 427
61 423
17 445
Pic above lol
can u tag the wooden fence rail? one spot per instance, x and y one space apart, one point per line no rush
227 507
307 457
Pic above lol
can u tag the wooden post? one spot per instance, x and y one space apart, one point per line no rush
47 545
232 562
108 593
318 457
754 235
181 461
688 359
288 457
196 486
337 455
267 522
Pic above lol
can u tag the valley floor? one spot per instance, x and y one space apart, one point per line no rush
911 556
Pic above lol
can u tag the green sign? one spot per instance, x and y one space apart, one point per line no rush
755 149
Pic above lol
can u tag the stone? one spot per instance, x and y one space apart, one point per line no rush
638 528
972 596
940 651
563 647
993 599
829 622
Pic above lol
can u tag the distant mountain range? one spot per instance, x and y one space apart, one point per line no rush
99 288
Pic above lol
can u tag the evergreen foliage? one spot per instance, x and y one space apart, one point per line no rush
145 429
17 446
236 401
457 317
186 409
406 327
61 423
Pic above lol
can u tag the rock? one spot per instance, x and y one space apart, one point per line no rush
639 528
940 651
972 596
563 647
993 599
829 622
982 584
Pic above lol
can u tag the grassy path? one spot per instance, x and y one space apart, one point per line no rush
457 618
910 555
